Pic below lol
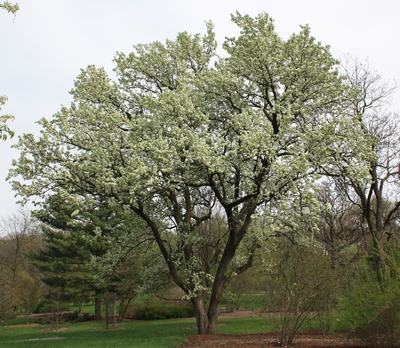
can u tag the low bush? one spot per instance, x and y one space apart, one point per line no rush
158 312
70 317
48 306
373 309
300 286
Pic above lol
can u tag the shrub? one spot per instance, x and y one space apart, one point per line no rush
49 306
373 308
158 312
86 317
301 285
70 317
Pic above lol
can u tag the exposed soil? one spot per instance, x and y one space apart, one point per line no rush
35 316
47 339
54 330
304 339
269 339
39 315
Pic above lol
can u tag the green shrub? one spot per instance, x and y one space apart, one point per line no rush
158 312
373 308
44 306
48 306
70 317
86 317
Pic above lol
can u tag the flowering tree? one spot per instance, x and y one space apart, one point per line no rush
179 141
9 7
5 131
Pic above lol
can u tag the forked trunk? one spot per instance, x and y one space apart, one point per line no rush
213 312
200 313
206 321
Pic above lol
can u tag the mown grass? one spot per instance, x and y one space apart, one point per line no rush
17 321
252 301
160 333
146 334
163 333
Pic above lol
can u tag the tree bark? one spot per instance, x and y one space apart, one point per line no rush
207 320
97 307
115 311
106 302
200 312
213 312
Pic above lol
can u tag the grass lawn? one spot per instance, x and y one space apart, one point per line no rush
165 333
161 333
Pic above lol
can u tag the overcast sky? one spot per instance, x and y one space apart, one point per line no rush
43 49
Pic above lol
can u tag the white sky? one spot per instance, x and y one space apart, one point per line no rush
44 48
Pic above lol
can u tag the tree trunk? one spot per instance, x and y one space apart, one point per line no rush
378 258
106 300
121 310
123 307
115 311
27 311
213 313
207 320
202 320
97 307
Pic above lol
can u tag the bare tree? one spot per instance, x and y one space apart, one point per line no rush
20 280
379 201
341 223
19 232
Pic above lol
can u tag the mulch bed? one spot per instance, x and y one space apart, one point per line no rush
269 339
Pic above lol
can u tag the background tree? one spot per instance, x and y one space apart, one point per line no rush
78 238
19 235
178 141
341 228
379 201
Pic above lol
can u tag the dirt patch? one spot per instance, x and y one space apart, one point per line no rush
195 326
24 325
304 339
47 339
54 330
241 313
109 329
40 315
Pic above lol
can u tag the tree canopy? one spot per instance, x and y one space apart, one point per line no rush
183 136
5 131
9 7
